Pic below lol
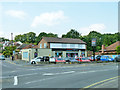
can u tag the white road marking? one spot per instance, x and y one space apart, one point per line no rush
28 74
39 80
69 72
58 73
48 74
15 80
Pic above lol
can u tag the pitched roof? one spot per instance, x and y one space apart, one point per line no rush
36 46
113 46
63 40
29 46
22 46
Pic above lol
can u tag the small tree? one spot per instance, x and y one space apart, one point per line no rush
118 49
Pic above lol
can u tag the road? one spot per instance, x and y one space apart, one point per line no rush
97 75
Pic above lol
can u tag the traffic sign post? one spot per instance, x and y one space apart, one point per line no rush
93 45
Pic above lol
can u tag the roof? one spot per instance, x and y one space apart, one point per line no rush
36 46
29 46
63 40
22 46
113 46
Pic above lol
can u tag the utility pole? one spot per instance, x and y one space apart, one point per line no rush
12 45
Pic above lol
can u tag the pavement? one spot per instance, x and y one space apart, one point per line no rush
20 74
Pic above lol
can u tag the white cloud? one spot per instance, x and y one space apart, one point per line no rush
94 27
49 19
1 33
17 14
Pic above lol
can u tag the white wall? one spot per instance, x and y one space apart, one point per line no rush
70 46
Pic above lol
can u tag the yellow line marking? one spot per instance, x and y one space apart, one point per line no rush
101 82
104 83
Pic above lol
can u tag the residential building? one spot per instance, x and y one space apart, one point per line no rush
110 49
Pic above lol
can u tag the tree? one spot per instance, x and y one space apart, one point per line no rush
118 49
88 39
43 34
31 37
9 50
72 34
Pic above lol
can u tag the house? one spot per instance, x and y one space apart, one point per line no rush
51 46
110 49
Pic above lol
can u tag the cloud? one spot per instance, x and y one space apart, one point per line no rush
17 14
49 19
94 27
1 33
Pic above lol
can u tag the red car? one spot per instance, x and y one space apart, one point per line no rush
90 58
83 59
59 60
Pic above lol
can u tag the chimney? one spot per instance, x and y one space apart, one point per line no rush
103 48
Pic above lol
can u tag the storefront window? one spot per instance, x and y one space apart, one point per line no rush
58 54
72 55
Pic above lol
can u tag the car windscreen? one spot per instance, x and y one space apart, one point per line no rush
59 58
73 58
84 58
2 56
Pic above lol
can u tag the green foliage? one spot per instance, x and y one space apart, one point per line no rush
32 38
106 39
9 50
118 49
3 39
72 34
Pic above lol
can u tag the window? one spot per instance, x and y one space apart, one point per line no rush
45 45
40 45
25 54
64 45
72 45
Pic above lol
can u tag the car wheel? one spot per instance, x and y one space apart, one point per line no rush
33 62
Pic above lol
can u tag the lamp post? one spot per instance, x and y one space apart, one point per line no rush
12 45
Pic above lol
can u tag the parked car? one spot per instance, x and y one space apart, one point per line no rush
98 57
117 59
45 58
67 59
83 59
106 58
72 59
91 58
36 60
2 57
52 60
59 60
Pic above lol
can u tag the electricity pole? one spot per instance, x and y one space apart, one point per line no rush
12 44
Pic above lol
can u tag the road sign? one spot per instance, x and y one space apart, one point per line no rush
93 41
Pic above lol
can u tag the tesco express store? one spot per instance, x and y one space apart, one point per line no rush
64 47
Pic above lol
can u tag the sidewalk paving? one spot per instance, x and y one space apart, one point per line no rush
18 61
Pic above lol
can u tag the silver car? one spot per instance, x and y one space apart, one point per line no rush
2 57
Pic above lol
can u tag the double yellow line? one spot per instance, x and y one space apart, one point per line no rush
101 82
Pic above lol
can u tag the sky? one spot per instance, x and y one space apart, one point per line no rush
57 17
